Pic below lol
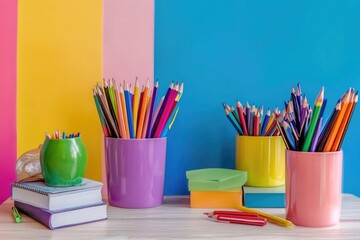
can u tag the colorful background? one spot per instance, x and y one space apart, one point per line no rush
223 50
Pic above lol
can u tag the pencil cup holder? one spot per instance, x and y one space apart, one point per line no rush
313 188
135 170
63 161
263 157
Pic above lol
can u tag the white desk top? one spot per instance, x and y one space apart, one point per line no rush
176 220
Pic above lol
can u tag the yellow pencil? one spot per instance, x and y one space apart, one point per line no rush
146 121
271 218
136 104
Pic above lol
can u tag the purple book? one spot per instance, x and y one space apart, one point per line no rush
66 218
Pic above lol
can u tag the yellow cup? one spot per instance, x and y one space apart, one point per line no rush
263 157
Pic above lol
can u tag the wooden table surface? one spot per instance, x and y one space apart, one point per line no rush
176 220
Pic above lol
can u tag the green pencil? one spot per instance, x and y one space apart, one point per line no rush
313 122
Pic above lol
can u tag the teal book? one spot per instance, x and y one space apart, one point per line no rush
269 197
215 179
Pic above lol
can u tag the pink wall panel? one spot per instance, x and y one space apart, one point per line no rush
128 43
128 40
8 28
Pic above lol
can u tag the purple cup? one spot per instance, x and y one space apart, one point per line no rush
135 170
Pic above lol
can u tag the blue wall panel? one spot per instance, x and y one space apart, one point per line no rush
256 51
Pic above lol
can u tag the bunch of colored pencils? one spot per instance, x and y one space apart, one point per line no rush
249 121
57 135
127 113
303 129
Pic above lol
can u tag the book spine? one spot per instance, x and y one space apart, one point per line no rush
38 214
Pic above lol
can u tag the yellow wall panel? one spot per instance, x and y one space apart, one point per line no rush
59 62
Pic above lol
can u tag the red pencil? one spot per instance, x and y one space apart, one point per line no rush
240 111
237 217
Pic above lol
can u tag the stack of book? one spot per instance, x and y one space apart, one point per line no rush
58 207
264 197
216 187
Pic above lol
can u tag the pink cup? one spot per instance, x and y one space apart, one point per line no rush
313 188
135 170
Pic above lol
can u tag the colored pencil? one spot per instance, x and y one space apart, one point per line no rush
282 134
314 119
129 111
289 136
348 121
146 120
109 103
135 107
344 123
265 122
113 131
240 111
338 121
124 111
142 109
169 123
101 115
162 106
317 132
248 117
166 111
327 129
120 118
232 121
256 123
151 110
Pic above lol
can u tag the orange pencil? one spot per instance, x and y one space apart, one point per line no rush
348 122
271 120
123 106
335 129
120 114
142 110
343 124
147 115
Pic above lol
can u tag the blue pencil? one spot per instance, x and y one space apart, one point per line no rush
265 122
152 108
289 135
232 122
169 123
129 111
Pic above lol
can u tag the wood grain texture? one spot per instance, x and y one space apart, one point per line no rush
176 220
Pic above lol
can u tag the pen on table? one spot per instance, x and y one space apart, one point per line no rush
16 215
271 218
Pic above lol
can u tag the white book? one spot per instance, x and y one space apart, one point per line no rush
40 195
